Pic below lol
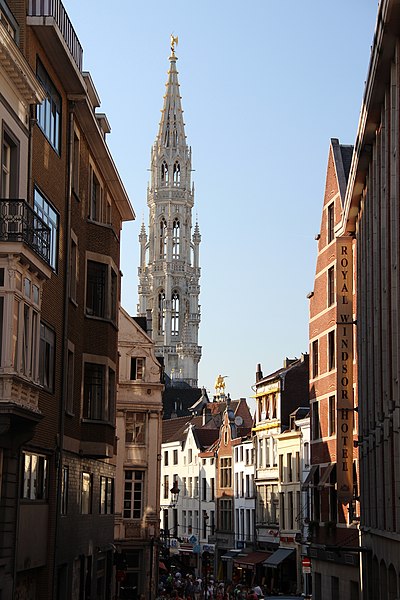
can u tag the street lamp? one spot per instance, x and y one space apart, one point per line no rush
174 493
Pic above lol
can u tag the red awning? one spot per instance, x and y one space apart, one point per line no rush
250 560
162 566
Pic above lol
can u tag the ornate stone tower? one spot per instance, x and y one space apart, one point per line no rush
169 269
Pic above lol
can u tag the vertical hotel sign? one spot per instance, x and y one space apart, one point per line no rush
344 355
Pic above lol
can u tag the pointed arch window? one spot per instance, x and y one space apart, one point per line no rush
163 238
164 173
175 314
175 138
176 234
161 312
177 173
166 139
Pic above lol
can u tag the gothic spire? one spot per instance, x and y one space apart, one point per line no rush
171 133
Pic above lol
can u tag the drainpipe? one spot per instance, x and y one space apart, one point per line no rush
64 387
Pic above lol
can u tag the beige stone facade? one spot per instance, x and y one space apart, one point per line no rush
137 489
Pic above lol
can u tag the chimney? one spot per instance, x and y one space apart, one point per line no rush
259 374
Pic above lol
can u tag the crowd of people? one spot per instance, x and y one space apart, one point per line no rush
174 586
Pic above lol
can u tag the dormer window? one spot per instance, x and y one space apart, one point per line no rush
164 173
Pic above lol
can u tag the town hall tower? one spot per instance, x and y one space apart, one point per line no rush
169 269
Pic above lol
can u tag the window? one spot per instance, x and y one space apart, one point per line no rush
332 415
161 312
177 173
226 472
175 238
101 290
75 163
133 494
331 286
281 473
316 426
98 391
212 488
35 473
163 238
289 467
190 455
47 213
196 487
190 486
166 458
164 171
282 510
9 167
46 357
69 403
175 314
315 359
331 222
64 490
135 427
73 268
166 487
137 369
49 112
306 454
298 477
86 493
225 511
204 489
290 510
106 496
96 198
331 350
175 457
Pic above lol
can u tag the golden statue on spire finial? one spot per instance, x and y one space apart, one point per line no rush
174 41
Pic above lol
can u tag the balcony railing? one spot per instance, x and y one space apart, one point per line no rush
55 9
20 223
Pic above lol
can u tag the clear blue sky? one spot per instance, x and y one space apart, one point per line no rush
265 84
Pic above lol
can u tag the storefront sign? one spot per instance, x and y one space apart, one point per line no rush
344 363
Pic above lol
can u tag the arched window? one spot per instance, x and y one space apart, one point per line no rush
177 173
164 173
175 139
163 238
176 232
166 139
175 314
161 312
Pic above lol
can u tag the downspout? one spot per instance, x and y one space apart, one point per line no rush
64 386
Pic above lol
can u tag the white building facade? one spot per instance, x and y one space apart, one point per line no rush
244 494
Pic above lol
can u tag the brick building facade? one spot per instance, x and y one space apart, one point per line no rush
62 475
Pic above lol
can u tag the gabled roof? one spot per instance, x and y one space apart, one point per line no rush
281 372
174 430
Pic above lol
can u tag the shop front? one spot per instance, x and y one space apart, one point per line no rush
249 568
281 571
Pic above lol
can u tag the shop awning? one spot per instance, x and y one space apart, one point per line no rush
230 554
162 566
277 557
250 560
309 479
325 475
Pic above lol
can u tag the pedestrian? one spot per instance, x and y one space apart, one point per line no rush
258 591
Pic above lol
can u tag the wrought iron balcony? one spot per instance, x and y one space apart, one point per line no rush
56 12
20 223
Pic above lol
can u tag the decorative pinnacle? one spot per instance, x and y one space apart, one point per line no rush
174 41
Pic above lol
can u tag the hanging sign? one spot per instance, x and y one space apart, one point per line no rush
344 363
